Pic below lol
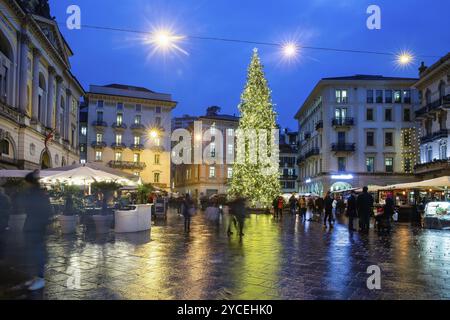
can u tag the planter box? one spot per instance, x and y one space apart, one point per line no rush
139 219
103 223
68 224
17 222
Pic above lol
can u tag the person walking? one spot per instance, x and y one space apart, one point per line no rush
275 207
188 207
280 206
328 203
293 204
238 211
319 207
351 210
39 210
302 207
389 210
364 206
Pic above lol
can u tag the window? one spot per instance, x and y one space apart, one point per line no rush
119 138
157 159
136 158
389 164
341 113
83 131
137 119
119 106
369 96
158 110
388 139
397 96
99 137
230 149
100 104
138 108
369 115
430 154
230 173
119 120
442 90
407 115
388 115
158 121
137 140
341 96
212 130
370 164
370 139
388 96
443 151
212 172
118 156
98 156
341 164
99 116
74 107
4 147
230 132
156 177
379 96
213 150
72 139
341 138
407 96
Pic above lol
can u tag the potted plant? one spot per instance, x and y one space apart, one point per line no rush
72 205
143 191
104 220
15 189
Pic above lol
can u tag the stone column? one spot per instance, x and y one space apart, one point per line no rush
50 97
59 81
23 82
67 115
35 89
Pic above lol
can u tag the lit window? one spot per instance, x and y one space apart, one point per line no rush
137 119
370 163
118 138
118 156
212 172
230 132
389 162
98 156
213 150
119 119
230 173
397 96
137 140
83 131
341 96
136 158
99 137
230 149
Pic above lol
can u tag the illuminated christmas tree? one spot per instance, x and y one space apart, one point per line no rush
254 179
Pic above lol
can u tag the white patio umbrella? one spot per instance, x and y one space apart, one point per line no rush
441 182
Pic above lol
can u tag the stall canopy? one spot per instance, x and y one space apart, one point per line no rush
441 182
372 188
23 173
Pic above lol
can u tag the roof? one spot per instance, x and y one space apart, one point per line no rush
225 117
127 87
445 59
366 77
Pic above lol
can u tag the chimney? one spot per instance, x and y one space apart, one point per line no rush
422 68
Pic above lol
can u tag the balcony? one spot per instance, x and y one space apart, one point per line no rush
343 147
9 112
119 126
435 166
312 153
137 147
119 146
98 145
343 122
444 133
289 177
443 102
130 165
319 125
99 124
137 127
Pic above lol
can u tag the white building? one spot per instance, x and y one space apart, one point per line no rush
288 161
129 128
356 131
39 97
434 119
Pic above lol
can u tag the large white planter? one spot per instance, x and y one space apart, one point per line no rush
102 223
68 224
17 222
139 219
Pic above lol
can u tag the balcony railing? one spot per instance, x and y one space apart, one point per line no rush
98 144
118 146
99 124
119 126
444 133
131 165
319 125
312 153
9 112
137 147
343 147
289 177
436 165
343 122
137 127
435 105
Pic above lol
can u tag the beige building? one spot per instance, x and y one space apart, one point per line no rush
129 128
39 96
434 119
202 179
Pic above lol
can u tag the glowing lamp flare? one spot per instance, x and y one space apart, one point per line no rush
154 134
290 50
405 58
164 40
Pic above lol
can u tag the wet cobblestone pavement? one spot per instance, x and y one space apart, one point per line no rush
284 259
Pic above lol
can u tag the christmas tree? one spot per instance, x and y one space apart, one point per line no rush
256 180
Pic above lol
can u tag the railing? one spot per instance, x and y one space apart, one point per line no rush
343 147
122 126
99 124
343 122
9 112
137 126
127 165
312 153
289 177
138 147
441 102
435 136
97 144
435 165
118 146
319 125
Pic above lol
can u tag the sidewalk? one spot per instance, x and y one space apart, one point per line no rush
10 281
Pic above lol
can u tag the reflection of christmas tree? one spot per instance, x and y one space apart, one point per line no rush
258 182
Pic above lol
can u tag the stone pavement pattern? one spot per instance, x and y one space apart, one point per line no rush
284 259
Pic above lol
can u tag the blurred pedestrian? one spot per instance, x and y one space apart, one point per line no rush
188 208
364 206
302 207
280 206
238 211
351 210
389 210
293 204
38 210
328 203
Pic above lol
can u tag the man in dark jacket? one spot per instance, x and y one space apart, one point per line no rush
351 210
328 203
389 210
364 206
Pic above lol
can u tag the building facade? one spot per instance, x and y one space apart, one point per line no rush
129 128
201 180
288 161
356 131
39 96
434 119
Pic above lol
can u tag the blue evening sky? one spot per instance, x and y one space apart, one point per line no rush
214 73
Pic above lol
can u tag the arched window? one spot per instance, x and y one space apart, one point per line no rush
4 147
42 97
441 90
6 63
